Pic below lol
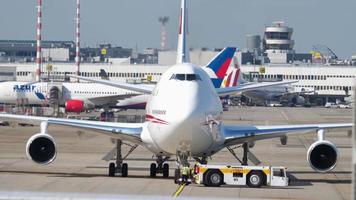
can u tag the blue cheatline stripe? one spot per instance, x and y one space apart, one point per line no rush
40 95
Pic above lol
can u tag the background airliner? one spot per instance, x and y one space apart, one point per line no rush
284 94
75 97
183 119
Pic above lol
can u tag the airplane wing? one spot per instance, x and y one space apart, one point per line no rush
124 131
109 100
247 87
240 134
142 88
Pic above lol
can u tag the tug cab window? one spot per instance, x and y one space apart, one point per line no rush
185 77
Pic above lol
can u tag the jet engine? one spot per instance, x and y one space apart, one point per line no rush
322 156
76 106
41 148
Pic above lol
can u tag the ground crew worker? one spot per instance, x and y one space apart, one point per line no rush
185 173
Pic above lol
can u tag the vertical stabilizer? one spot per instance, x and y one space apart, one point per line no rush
235 77
237 67
182 50
219 65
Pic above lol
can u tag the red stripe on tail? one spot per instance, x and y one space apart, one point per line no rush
236 78
223 69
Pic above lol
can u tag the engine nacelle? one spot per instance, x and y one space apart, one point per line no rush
41 148
76 106
322 156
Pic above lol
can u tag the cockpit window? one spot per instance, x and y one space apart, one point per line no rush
185 77
180 77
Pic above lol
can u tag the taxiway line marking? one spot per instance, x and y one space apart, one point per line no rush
179 190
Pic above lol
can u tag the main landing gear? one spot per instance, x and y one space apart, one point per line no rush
119 166
160 167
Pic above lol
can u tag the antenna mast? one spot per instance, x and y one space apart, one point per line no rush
77 45
163 21
39 39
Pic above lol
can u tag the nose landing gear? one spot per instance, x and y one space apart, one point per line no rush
182 175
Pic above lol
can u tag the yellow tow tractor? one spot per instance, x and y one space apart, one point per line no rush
253 176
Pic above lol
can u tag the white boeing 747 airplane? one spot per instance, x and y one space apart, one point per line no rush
183 119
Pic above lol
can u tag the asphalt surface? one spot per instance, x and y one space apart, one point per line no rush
79 167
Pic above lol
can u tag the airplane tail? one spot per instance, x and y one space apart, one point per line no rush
182 49
235 76
222 61
220 64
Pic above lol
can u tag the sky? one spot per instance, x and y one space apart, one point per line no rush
212 23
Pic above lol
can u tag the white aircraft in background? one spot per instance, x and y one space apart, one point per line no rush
75 97
183 119
284 94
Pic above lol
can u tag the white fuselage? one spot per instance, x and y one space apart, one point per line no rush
183 115
269 93
38 93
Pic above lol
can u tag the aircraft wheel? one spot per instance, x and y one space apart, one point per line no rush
165 170
153 170
124 170
112 169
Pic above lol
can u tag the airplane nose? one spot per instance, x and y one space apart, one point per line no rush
183 131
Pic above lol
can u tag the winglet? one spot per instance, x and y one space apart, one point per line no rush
182 49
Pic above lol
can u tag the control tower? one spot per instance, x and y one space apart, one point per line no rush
277 42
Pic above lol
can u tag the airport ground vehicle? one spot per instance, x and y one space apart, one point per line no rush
253 176
336 105
330 105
